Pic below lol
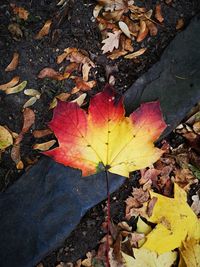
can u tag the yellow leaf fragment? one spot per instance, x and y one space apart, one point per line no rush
5 138
143 227
16 89
14 63
30 102
44 31
175 221
11 83
147 258
190 252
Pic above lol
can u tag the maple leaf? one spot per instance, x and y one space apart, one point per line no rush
145 257
175 221
111 42
104 139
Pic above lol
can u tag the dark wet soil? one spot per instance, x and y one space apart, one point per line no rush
73 26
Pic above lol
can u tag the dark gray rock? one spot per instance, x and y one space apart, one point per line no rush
174 80
41 209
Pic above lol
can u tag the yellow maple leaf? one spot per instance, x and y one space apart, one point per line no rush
104 139
146 258
175 221
190 253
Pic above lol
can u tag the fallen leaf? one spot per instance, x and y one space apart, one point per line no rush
61 57
116 54
134 151
31 92
30 102
81 85
143 227
44 146
50 73
20 11
29 119
196 204
80 100
16 89
41 133
145 257
175 221
15 30
14 63
153 30
44 31
6 139
158 13
136 54
96 10
70 68
111 42
190 252
179 24
124 28
143 31
10 84
63 96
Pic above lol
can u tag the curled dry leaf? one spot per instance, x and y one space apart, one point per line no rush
71 68
61 57
41 133
124 28
16 89
111 42
153 30
15 30
20 11
179 24
97 10
63 96
44 31
14 63
44 146
143 31
6 139
83 86
136 54
158 13
117 53
28 120
50 73
30 102
10 84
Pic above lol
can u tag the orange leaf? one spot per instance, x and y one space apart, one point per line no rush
14 63
20 11
11 83
103 138
158 13
44 31
143 31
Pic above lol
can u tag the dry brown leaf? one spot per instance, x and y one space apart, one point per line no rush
111 42
41 133
196 204
113 16
179 24
20 11
117 53
63 96
158 13
133 26
153 30
44 146
83 86
136 54
15 30
44 31
61 57
14 63
71 68
29 119
96 10
10 84
50 73
143 31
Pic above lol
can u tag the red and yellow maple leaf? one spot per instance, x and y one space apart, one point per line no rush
103 138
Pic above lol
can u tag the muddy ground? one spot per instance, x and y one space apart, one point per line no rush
73 26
